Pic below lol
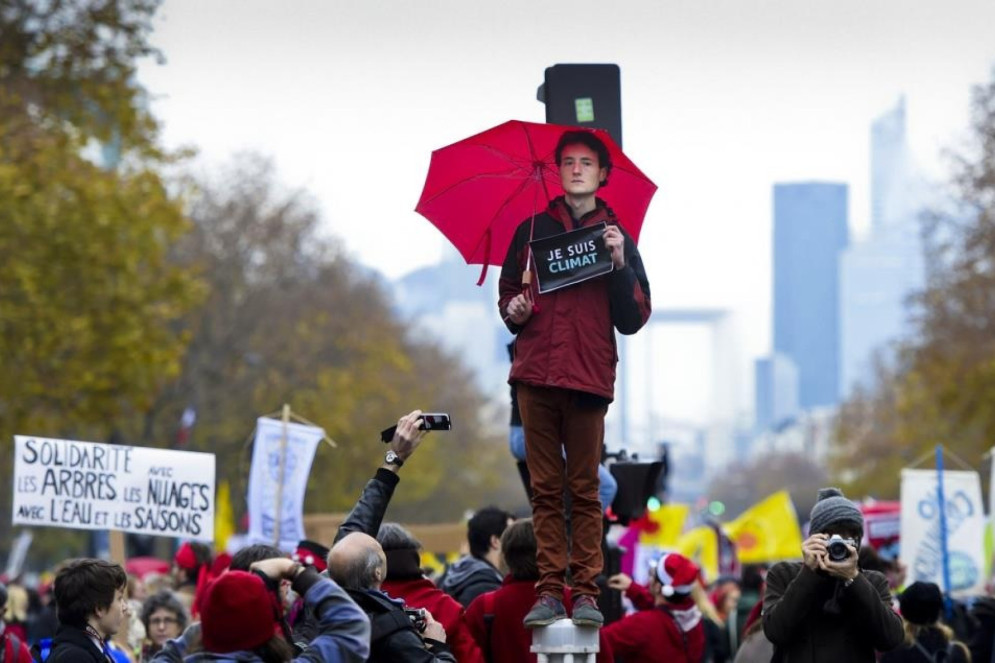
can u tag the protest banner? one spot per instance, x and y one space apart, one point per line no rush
281 462
571 257
921 530
87 485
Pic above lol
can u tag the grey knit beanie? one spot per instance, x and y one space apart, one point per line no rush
832 508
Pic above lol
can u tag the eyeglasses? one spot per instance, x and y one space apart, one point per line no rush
163 621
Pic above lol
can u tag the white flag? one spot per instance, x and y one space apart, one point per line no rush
264 480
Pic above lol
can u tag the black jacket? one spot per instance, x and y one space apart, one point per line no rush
394 638
983 637
930 641
404 643
813 618
73 645
368 512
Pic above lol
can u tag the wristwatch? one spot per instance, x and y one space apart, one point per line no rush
393 459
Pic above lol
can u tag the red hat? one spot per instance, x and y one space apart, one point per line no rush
311 553
676 573
238 613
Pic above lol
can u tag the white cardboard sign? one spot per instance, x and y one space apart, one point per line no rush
87 485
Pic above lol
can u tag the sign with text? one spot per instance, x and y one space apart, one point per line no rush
86 485
291 446
921 531
570 257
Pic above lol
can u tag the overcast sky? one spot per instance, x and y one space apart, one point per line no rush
720 99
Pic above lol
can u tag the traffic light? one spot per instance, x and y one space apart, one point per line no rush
586 95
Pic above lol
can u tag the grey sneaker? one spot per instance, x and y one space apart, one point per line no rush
544 612
586 613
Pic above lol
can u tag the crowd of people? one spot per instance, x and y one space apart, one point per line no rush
366 597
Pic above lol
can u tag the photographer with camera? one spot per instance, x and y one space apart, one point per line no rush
359 565
825 608
358 562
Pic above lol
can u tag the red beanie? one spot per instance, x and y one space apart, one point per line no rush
238 613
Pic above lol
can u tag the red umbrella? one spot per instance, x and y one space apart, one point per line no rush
480 189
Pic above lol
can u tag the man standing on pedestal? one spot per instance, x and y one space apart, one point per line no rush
564 371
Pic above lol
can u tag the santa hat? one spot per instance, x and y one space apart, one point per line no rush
238 613
675 573
311 553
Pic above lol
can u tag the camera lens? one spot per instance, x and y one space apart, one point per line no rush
836 549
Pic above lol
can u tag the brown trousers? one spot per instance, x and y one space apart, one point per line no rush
556 421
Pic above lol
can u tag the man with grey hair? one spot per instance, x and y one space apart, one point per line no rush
825 608
358 564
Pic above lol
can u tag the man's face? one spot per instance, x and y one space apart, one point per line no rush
580 172
112 619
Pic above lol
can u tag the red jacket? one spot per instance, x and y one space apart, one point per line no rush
509 639
422 593
653 635
570 341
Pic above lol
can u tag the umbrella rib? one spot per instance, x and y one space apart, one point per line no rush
521 187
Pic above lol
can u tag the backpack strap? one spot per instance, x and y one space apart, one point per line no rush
939 655
489 613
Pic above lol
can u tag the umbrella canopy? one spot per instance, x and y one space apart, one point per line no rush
480 189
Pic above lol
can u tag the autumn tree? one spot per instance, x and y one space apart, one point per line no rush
941 387
291 319
89 299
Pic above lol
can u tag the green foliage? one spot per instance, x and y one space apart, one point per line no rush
69 67
90 300
942 387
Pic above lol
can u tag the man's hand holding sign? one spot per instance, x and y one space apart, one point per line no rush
615 243
569 258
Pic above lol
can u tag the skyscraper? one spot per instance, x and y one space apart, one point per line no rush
810 231
775 391
889 170
878 274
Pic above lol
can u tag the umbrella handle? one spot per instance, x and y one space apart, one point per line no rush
527 289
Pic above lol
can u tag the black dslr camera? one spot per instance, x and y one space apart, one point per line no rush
836 548
417 617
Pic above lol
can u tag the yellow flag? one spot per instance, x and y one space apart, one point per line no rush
768 531
224 517
670 521
701 546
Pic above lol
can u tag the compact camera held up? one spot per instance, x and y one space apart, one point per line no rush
837 548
